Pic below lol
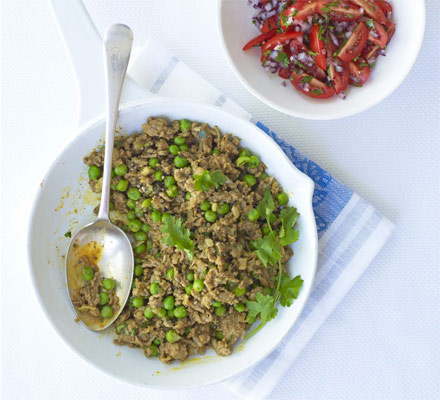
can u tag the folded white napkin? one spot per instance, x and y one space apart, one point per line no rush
351 231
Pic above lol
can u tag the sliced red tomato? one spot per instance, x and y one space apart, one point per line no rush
371 9
258 40
385 6
317 46
269 25
370 51
355 44
284 73
358 75
298 11
382 37
339 78
296 47
338 11
311 86
280 38
391 28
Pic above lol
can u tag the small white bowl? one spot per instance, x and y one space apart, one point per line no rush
236 29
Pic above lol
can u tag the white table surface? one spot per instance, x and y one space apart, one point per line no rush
382 342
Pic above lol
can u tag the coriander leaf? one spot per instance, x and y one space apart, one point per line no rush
175 234
266 206
268 249
264 306
317 92
288 217
282 58
289 289
208 180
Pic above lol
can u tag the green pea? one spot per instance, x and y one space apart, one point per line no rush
210 216
220 311
179 140
140 249
282 199
155 288
240 307
253 162
198 285
122 185
111 206
113 186
249 180
170 274
218 335
138 302
164 217
94 172
148 313
263 176
172 336
180 312
152 162
188 288
149 245
124 228
146 203
216 303
244 153
169 181
174 149
253 214
131 215
131 203
185 125
138 260
190 276
133 194
161 312
156 216
215 151
108 284
154 350
138 270
205 206
180 162
135 225
172 191
238 291
265 229
183 147
168 302
158 175
188 195
170 313
140 236
103 298
107 311
87 273
145 228
121 169
156 342
272 218
223 208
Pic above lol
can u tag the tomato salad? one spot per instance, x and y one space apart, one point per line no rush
322 46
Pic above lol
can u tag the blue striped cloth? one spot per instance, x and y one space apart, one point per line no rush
351 231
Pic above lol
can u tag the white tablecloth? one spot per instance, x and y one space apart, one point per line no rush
381 342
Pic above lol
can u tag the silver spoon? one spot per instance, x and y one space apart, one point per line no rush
105 245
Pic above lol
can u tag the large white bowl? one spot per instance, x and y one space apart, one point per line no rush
64 204
236 29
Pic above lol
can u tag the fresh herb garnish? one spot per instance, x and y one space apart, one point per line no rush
68 234
209 180
370 24
175 234
317 92
269 251
282 57
306 79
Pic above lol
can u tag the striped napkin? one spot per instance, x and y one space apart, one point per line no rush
351 232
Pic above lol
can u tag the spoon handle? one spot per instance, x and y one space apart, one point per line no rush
117 47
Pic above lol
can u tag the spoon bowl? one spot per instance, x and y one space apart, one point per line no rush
111 249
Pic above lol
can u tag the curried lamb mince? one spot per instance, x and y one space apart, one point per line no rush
211 232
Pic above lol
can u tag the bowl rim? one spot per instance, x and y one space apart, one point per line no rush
99 120
345 111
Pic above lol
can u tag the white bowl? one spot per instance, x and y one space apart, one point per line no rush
236 29
64 204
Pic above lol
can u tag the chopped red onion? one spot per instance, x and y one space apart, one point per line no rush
333 38
338 68
374 34
342 95
268 6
